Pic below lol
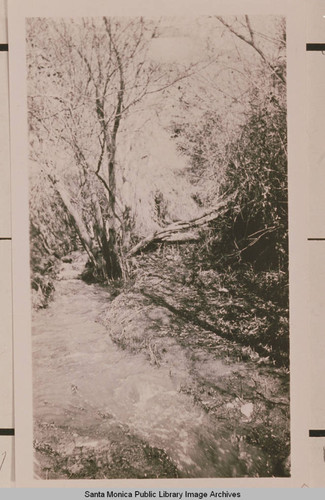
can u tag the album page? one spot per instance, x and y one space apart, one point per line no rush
6 365
159 194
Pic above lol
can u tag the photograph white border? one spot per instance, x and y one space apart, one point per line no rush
294 11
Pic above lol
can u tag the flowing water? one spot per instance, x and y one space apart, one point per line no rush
84 382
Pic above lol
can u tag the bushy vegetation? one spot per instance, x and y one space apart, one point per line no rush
51 238
252 165
256 225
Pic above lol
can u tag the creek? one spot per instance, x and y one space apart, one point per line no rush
85 383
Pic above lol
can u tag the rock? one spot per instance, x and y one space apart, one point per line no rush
247 409
67 259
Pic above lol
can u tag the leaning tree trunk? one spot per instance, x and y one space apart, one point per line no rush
183 230
76 220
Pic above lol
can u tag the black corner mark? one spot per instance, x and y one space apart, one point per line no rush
315 239
312 47
7 432
317 433
4 47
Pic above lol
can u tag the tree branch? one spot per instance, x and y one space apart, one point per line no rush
252 44
167 233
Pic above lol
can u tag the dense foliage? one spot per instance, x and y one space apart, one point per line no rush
257 170
248 159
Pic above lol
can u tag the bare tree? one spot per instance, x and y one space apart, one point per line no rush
85 77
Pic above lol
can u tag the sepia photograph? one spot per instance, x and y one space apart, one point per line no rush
158 240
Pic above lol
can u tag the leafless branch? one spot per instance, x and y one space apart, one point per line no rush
252 44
